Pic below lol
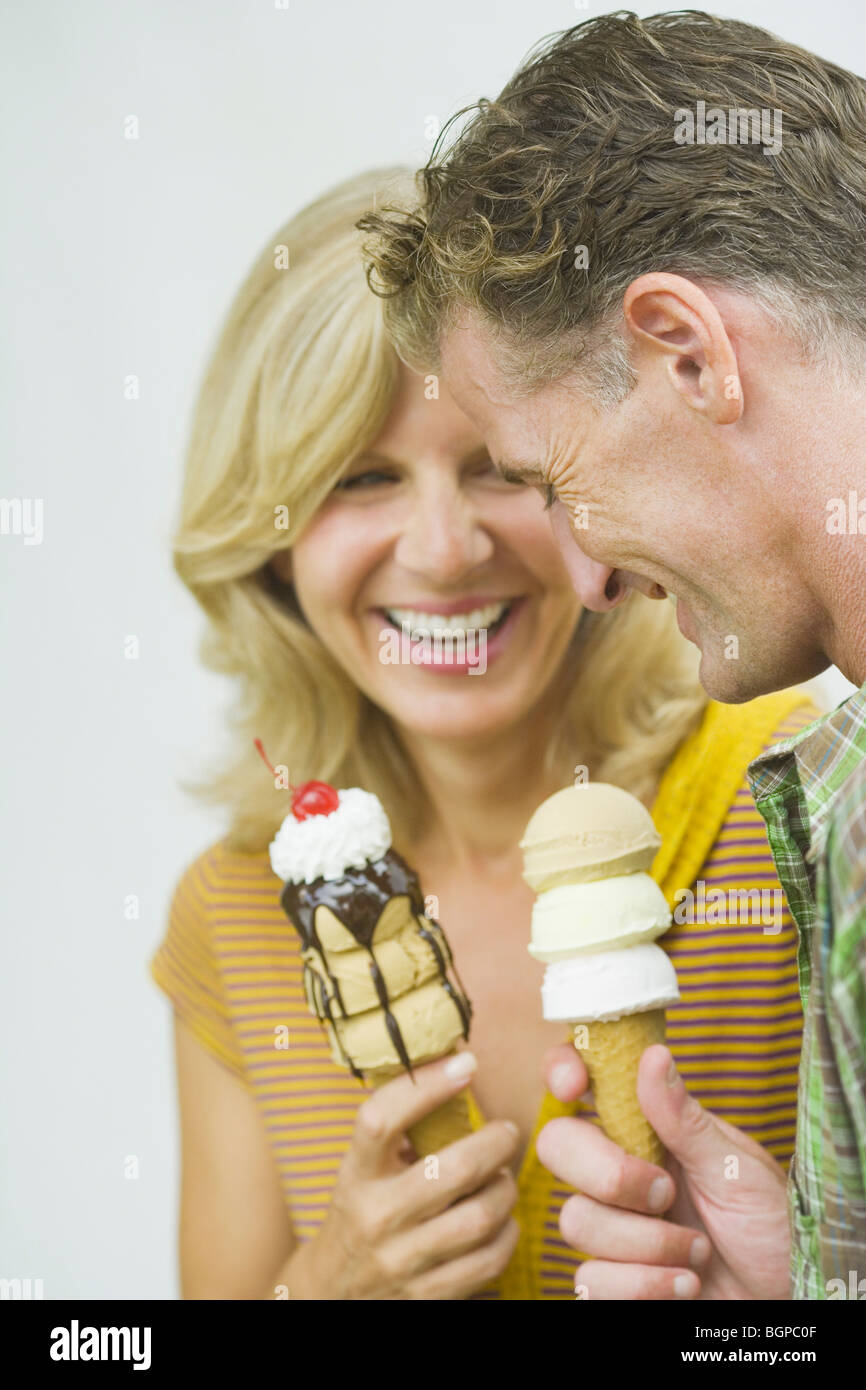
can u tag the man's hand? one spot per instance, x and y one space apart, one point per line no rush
725 1235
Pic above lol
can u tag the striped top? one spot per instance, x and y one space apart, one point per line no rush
230 963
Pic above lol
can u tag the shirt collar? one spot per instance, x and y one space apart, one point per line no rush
810 758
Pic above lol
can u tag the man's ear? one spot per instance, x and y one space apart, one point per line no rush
672 316
281 564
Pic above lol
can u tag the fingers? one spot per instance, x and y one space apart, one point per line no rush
686 1129
465 1226
701 1141
460 1169
580 1154
461 1277
619 1235
383 1119
600 1280
564 1073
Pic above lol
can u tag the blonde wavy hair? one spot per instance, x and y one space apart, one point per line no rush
301 380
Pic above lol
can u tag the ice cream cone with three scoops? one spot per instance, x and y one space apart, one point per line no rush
587 851
378 972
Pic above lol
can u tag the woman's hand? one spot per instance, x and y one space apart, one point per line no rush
726 1232
401 1228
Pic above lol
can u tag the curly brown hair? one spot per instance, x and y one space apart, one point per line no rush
579 150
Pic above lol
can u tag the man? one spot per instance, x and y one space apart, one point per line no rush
641 271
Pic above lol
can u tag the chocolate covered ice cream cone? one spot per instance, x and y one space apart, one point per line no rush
377 970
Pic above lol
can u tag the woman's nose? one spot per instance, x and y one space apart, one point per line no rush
442 537
593 582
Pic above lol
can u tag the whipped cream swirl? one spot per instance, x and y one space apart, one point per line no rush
357 833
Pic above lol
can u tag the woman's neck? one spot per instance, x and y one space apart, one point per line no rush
481 794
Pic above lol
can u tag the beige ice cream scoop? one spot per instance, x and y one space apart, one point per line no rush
586 832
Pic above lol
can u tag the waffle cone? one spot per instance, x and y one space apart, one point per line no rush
442 1126
611 1052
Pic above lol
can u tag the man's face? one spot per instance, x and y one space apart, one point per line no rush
651 495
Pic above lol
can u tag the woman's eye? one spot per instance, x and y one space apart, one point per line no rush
549 496
372 478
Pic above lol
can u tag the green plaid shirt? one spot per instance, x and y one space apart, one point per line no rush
811 791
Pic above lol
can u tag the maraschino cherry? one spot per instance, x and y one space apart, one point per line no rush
310 798
314 799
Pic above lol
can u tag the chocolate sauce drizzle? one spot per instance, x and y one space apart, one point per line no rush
358 899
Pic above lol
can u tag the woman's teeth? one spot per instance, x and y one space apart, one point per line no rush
416 621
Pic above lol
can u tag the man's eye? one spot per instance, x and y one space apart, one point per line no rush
372 478
549 496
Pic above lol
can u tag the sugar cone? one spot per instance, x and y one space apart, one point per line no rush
442 1126
611 1052
450 1122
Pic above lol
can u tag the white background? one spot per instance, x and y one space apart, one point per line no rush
120 257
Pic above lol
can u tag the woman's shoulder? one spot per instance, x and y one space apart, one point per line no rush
225 914
728 737
221 871
709 772
756 724
227 895
228 952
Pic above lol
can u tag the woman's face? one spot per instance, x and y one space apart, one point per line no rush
422 535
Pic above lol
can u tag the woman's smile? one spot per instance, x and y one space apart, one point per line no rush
447 637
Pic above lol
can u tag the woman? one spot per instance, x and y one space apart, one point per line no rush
331 497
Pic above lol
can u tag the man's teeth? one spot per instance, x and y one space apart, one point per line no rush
452 622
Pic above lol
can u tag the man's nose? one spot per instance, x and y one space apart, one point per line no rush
593 582
442 538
